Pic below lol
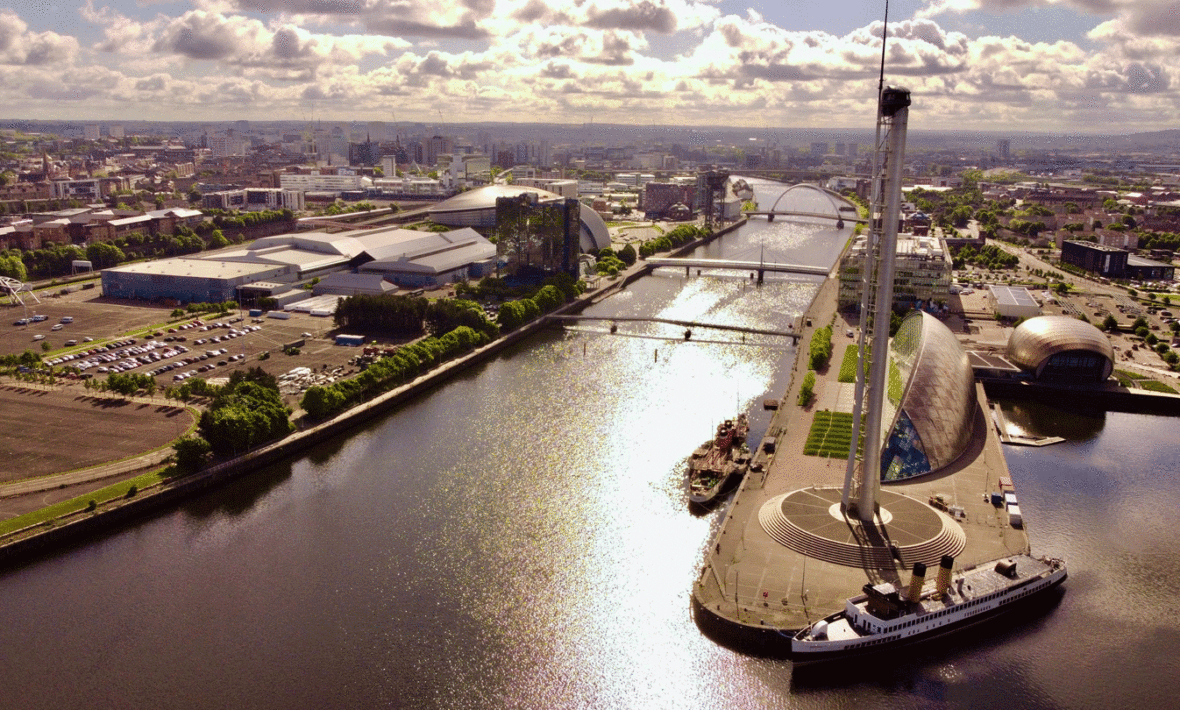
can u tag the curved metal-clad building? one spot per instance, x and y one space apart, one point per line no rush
933 389
477 208
1061 347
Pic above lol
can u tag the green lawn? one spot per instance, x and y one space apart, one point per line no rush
1127 378
848 364
830 435
75 505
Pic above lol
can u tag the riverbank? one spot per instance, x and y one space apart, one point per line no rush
43 537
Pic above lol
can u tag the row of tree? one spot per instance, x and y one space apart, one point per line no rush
390 371
679 236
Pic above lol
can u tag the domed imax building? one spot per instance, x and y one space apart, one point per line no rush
1061 348
477 208
931 397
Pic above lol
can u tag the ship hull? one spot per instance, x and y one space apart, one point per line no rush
807 653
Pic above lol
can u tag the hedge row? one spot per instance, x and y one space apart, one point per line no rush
821 347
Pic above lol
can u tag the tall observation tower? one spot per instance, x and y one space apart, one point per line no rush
862 476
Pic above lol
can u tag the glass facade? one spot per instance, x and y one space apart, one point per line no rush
933 389
922 272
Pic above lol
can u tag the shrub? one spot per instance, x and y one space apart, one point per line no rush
821 347
807 390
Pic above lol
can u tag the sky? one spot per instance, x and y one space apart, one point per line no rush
1059 66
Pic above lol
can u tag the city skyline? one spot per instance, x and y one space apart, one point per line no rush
1070 66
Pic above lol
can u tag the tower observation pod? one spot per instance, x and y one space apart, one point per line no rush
861 487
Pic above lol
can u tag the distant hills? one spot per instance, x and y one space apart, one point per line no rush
609 134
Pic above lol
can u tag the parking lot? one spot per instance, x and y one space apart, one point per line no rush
111 336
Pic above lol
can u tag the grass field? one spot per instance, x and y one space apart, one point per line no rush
1127 378
80 503
830 435
848 364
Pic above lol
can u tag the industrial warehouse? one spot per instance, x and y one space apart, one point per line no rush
376 260
276 266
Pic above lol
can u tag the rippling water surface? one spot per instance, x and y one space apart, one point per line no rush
520 538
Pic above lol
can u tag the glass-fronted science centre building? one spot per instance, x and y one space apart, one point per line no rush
932 404
931 400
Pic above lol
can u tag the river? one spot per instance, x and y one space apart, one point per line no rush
520 538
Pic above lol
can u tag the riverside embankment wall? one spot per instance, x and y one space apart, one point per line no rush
45 537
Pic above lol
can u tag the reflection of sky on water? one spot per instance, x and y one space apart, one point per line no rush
1033 419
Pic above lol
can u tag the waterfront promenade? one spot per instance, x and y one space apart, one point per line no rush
754 585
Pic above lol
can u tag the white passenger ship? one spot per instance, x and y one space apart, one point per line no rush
883 617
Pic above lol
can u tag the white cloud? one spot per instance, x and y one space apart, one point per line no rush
563 59
19 46
247 44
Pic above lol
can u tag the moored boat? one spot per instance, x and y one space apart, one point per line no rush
883 617
718 465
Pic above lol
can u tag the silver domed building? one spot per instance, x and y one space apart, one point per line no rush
1063 348
932 398
477 208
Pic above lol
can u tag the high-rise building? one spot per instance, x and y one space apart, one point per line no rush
819 148
1003 146
438 145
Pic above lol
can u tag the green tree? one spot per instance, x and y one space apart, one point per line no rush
821 347
807 389
627 255
1110 324
247 412
191 453
103 255
12 267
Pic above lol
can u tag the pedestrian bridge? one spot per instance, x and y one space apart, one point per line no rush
757 266
687 324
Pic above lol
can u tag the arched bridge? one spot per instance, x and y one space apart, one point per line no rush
841 209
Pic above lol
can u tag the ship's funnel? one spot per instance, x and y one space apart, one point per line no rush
944 575
916 582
